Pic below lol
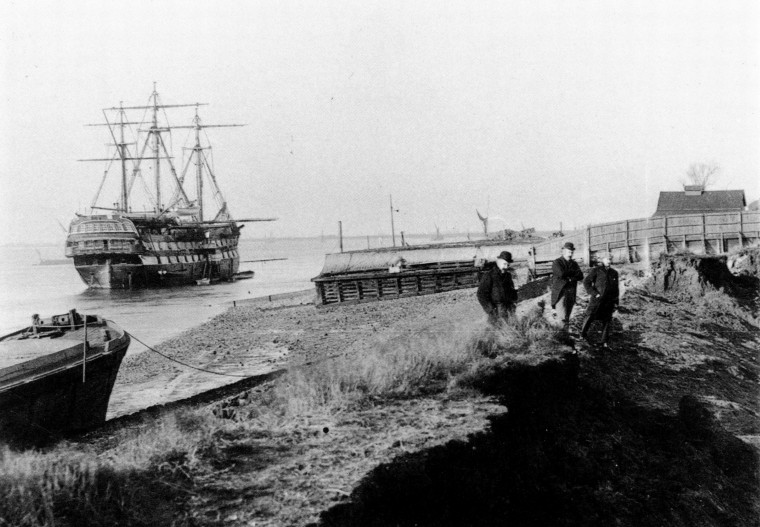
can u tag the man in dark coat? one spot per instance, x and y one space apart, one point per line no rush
602 286
565 277
496 292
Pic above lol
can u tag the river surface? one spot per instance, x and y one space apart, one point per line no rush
154 315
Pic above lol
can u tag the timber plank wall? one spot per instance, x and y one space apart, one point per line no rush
398 272
645 238
372 286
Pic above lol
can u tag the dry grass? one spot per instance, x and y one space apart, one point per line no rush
529 339
65 487
131 484
152 470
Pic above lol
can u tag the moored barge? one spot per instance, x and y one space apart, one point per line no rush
56 376
398 272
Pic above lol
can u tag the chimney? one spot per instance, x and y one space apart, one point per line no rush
693 190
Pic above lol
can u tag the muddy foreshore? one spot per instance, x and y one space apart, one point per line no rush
254 339
664 429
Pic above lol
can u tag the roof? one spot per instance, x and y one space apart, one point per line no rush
708 201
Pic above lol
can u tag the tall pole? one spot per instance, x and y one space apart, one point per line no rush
393 229
198 165
156 140
340 234
124 204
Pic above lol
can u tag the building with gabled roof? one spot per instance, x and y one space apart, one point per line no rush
694 199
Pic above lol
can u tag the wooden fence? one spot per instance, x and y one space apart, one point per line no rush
645 238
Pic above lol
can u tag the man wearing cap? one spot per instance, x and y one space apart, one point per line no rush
602 286
565 277
496 292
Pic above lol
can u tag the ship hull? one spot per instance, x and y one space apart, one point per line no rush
56 395
119 253
136 276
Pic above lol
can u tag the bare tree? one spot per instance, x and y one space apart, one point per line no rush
702 174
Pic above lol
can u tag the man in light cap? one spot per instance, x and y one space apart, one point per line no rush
496 293
602 286
565 277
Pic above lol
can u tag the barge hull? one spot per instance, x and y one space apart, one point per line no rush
68 398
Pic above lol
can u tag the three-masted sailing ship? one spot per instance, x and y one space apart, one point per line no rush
155 241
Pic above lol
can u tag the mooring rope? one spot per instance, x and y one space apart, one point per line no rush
154 350
292 367
58 435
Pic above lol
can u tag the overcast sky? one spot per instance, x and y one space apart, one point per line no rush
537 112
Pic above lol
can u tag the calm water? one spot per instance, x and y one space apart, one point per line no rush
156 314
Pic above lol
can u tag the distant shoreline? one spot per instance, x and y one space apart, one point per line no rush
474 236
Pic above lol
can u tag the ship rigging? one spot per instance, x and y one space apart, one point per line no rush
165 242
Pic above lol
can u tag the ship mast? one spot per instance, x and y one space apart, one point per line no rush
122 146
124 156
199 158
156 144
154 141
198 164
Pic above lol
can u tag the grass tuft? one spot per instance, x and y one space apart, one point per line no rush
403 366
144 479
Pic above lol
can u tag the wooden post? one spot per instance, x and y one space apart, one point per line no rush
741 229
665 233
532 261
627 246
84 352
393 229
587 252
704 235
340 234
